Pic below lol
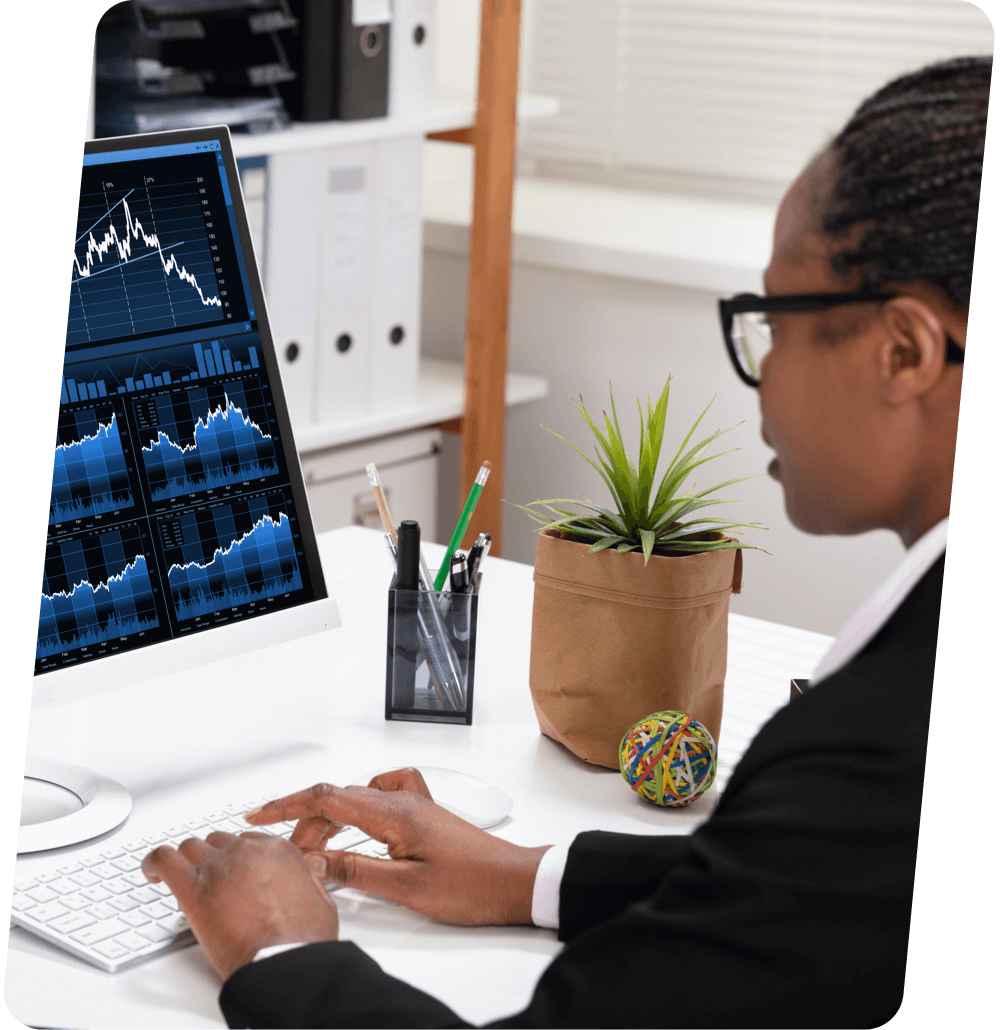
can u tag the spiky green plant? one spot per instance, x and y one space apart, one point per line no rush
647 520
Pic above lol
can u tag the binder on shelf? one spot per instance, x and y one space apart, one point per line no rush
362 43
339 50
411 57
396 273
343 340
293 248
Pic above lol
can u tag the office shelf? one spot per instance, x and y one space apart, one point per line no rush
440 399
452 112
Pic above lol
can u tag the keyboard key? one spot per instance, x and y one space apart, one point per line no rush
22 903
46 913
99 931
134 845
72 921
106 871
118 886
227 826
102 911
62 886
124 904
156 910
162 889
171 902
154 933
42 895
234 810
75 902
196 824
126 864
91 861
47 877
154 839
25 883
137 879
347 838
72 867
134 918
112 853
144 895
132 941
96 893
215 817
111 949
176 924
178 831
85 879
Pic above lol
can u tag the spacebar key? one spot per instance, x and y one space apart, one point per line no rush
99 931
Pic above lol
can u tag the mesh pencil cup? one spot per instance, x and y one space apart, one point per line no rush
430 655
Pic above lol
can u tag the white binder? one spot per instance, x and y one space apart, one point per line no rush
396 273
293 244
343 339
411 57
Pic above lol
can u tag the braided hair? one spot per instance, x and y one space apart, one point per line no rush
907 172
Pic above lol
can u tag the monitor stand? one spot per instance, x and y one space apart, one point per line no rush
65 804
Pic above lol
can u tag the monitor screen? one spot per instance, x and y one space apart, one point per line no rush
177 499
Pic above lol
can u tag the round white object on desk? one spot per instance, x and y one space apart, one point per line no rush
468 797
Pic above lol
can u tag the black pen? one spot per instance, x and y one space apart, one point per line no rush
477 553
408 555
459 573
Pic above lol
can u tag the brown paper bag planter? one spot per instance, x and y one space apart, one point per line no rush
613 640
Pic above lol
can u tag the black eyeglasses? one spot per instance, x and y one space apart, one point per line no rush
748 333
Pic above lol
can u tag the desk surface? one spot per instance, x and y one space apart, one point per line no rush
312 709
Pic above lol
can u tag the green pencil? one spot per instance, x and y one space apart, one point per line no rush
463 523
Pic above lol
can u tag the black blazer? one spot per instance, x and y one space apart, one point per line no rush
789 907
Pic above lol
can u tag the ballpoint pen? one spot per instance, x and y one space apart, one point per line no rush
463 522
479 550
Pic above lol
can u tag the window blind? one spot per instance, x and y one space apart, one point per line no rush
719 95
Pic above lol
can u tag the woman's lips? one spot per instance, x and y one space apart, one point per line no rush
774 470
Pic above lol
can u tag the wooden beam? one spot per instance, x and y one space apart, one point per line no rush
455 136
453 426
489 262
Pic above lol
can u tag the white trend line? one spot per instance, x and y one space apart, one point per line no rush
101 428
134 230
220 551
205 423
100 586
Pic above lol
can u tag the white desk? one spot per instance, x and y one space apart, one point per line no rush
312 710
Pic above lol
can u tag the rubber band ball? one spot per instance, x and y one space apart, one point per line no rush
668 759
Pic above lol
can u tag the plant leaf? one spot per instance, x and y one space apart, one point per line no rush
648 543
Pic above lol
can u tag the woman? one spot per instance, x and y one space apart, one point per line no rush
790 905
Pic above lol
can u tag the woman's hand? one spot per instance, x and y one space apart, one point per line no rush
241 894
438 865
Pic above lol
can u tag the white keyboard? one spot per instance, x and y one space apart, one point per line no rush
100 907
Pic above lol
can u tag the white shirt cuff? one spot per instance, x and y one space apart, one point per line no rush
276 949
548 879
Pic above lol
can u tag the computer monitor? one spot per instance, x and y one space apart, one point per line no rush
179 530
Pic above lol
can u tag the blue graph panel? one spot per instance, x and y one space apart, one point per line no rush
255 564
94 589
204 444
90 473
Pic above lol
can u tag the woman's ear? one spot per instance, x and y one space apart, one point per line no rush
911 353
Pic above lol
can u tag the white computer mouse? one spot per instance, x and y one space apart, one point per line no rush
468 797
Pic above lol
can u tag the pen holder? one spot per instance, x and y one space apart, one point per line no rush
431 655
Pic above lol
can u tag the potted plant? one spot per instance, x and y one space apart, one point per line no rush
631 601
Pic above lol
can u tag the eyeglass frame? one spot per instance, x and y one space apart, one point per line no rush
798 303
